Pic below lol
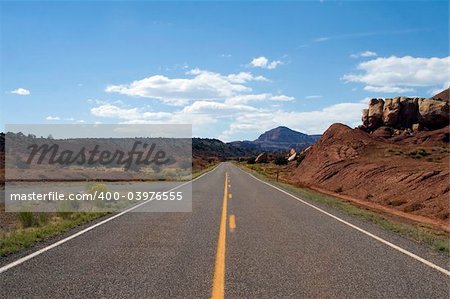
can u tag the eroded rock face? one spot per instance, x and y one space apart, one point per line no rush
391 112
408 112
375 115
402 114
433 113
365 117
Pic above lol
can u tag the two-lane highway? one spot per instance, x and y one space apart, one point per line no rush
243 239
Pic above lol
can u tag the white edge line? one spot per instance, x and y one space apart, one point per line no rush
398 248
40 251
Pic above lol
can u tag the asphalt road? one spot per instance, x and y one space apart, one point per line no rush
243 239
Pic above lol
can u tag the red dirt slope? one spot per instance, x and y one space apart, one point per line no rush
409 175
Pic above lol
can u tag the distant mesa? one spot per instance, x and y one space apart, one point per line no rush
278 139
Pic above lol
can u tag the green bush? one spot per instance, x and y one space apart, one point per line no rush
26 219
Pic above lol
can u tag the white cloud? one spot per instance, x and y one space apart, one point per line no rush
388 89
21 91
242 118
364 54
109 110
321 39
216 108
244 99
52 118
311 97
435 91
399 74
179 91
263 62
282 98
311 122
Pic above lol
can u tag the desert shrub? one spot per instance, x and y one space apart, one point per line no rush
300 158
26 219
43 218
96 187
339 189
418 153
251 160
444 215
156 168
65 210
396 202
413 207
280 160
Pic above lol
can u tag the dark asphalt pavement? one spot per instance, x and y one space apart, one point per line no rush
279 248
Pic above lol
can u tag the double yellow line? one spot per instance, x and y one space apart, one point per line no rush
218 290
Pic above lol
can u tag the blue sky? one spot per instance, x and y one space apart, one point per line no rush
232 69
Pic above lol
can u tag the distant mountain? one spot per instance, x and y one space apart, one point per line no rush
280 138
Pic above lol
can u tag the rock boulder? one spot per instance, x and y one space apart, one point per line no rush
433 113
391 112
408 112
375 115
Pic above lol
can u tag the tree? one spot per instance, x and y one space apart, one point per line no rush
280 160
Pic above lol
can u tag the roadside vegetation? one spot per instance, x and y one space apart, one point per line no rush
208 167
24 229
437 239
30 228
430 155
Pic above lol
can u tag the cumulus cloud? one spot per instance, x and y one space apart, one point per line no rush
388 89
282 98
109 110
400 74
21 91
52 118
240 117
244 99
179 91
364 54
263 62
311 122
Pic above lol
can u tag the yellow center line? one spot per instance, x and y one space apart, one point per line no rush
232 223
218 289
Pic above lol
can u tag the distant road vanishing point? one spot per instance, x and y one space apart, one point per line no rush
244 239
